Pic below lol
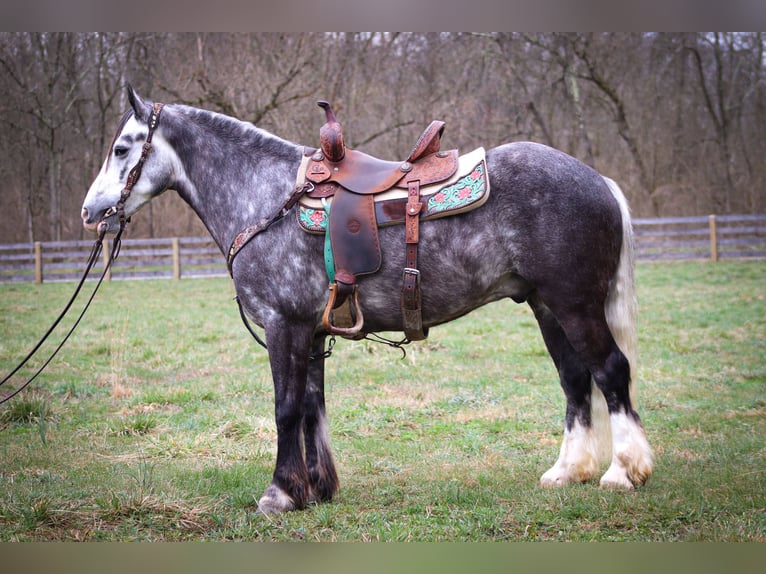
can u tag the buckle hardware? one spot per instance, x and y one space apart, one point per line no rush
413 272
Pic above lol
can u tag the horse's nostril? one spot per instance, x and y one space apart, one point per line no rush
84 214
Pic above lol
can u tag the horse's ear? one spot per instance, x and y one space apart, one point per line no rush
141 108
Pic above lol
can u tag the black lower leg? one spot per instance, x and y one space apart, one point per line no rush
574 376
613 379
323 477
288 355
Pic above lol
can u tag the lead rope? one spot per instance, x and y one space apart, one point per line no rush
94 255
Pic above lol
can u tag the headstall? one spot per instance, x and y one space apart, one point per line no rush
135 172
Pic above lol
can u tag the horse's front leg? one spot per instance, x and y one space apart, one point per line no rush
289 349
319 459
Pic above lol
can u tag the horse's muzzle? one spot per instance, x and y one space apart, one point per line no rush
87 222
97 222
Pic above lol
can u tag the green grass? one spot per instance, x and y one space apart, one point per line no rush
156 422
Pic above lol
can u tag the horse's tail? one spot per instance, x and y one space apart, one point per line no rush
621 309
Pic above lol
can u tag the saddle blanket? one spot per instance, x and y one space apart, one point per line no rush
464 191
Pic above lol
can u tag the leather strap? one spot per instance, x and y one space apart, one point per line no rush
135 172
244 236
411 300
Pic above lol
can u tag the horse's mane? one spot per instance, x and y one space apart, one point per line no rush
228 128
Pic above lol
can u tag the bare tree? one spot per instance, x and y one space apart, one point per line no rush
679 119
729 69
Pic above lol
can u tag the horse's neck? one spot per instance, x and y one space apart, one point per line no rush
237 180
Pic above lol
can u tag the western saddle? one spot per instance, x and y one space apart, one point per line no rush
352 179
366 193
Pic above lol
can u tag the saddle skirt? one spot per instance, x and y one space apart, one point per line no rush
466 190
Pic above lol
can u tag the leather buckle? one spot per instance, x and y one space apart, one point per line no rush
415 273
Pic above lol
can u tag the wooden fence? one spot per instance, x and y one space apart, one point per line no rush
138 259
709 237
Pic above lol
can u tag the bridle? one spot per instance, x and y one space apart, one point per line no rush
103 227
135 172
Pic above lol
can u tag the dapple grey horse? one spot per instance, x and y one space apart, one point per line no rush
553 233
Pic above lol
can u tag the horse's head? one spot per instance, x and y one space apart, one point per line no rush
100 205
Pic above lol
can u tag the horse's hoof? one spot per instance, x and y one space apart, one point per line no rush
275 501
627 476
616 478
553 479
562 474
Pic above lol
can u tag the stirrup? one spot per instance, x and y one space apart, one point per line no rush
353 332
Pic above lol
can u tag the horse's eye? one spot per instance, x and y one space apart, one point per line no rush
120 151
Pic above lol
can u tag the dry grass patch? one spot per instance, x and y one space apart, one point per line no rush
140 518
403 396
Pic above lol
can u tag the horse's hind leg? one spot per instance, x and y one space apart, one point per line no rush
585 435
590 337
319 460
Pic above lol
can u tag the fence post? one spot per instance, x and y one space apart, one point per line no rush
106 255
713 239
38 262
176 260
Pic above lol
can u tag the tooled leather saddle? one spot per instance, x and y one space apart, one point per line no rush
355 193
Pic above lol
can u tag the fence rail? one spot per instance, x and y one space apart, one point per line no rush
138 259
709 237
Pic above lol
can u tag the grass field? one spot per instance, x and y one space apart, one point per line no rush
155 423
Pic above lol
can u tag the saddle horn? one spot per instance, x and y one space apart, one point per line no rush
331 135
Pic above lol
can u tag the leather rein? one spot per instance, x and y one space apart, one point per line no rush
119 210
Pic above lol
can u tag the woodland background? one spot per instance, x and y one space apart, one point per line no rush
678 119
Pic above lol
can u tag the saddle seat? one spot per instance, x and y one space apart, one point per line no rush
354 181
364 174
465 190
